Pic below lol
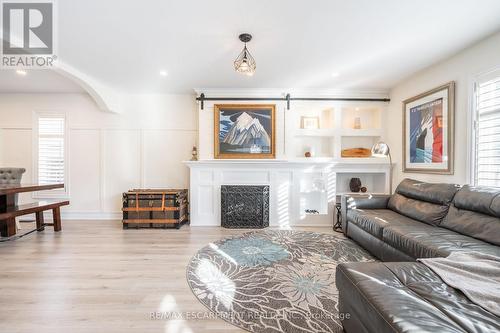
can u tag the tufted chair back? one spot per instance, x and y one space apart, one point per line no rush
11 175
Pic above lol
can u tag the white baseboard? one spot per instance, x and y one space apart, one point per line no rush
91 215
118 216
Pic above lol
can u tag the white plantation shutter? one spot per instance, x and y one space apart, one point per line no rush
51 155
487 133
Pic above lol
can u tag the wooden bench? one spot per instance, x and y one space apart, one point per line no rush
8 216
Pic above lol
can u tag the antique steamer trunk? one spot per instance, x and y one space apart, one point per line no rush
155 208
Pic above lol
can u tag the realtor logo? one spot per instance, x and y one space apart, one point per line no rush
28 34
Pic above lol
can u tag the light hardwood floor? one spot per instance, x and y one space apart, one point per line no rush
96 277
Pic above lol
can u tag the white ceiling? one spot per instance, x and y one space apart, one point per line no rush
36 81
297 44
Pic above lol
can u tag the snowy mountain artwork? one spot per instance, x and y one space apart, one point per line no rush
244 131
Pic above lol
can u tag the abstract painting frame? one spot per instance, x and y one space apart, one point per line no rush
428 131
244 131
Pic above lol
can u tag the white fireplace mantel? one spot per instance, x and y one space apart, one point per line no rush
294 186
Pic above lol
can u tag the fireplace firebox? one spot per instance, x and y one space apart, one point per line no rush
245 206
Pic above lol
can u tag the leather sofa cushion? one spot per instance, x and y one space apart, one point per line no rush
374 221
475 212
478 199
441 194
376 246
477 225
425 241
495 205
427 212
406 297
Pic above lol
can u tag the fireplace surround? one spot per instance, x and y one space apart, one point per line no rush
293 187
245 206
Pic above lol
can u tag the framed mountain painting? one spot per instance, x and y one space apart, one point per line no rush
244 131
428 131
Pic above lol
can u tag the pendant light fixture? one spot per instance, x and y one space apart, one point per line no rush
245 63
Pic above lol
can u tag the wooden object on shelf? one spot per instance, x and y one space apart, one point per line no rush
356 152
155 208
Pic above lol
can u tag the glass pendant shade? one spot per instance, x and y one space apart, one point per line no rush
245 63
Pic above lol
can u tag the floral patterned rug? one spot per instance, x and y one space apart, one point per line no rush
273 280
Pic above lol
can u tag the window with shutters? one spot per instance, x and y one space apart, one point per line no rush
51 151
486 131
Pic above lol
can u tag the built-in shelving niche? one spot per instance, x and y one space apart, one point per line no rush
336 129
375 182
313 194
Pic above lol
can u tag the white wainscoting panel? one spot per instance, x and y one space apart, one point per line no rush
122 166
162 151
85 170
205 201
16 145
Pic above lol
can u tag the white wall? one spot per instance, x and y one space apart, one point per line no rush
108 153
461 68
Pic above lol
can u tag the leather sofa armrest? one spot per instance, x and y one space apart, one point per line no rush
361 201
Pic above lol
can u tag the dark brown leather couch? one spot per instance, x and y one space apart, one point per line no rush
421 220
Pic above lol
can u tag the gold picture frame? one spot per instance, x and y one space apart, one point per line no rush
232 143
428 131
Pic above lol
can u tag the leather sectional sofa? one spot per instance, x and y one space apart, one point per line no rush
421 220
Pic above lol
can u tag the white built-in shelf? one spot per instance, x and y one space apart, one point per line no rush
312 191
375 132
370 116
312 160
302 160
335 130
315 132
341 161
327 132
374 180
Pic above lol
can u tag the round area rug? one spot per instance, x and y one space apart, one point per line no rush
273 280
